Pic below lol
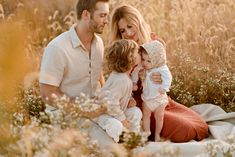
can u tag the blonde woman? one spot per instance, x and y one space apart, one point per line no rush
128 23
119 58
181 124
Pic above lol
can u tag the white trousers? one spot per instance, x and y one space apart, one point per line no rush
114 127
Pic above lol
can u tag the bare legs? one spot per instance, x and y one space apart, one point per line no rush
158 115
146 119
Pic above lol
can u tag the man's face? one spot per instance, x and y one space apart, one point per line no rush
99 18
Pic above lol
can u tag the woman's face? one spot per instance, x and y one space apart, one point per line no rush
128 30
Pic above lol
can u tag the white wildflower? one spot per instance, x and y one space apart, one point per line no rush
20 5
56 13
2 16
30 78
118 150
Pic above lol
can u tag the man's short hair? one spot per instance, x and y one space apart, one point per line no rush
88 5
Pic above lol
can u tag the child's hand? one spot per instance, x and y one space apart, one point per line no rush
131 103
125 123
141 74
135 87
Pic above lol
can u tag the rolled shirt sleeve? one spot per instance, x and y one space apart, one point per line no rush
52 66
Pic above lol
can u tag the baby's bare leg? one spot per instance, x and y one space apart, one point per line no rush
159 115
146 118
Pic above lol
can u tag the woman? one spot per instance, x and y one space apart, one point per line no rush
181 124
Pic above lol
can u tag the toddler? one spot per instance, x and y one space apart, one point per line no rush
154 95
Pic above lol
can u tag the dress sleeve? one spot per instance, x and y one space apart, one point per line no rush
154 36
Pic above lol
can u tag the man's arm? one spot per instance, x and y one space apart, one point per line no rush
46 92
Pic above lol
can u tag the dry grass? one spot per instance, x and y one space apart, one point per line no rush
200 38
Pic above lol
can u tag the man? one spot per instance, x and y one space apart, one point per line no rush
72 62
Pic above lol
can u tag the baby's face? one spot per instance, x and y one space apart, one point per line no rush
146 62
137 58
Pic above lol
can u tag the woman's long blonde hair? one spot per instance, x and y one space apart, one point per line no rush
133 16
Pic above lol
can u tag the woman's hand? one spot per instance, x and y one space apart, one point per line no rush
156 77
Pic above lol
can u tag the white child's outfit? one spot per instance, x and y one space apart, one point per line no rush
151 95
119 86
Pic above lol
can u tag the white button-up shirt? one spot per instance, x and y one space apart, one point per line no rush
66 64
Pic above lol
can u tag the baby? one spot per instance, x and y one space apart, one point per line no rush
154 95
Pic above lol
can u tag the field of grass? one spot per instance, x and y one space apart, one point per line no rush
200 39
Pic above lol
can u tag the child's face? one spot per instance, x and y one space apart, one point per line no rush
146 62
137 58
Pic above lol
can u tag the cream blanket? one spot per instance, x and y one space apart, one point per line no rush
221 128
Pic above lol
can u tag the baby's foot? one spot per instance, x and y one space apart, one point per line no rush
157 138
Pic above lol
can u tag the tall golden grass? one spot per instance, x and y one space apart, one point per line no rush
200 38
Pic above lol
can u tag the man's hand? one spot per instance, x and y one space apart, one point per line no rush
156 77
98 112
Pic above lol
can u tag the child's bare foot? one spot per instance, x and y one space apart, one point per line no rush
147 133
157 138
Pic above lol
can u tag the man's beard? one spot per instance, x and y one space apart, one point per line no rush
94 27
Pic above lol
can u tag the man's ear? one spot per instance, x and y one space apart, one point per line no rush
86 14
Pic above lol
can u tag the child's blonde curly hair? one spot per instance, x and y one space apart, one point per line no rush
119 56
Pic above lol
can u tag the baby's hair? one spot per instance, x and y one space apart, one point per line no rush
119 55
